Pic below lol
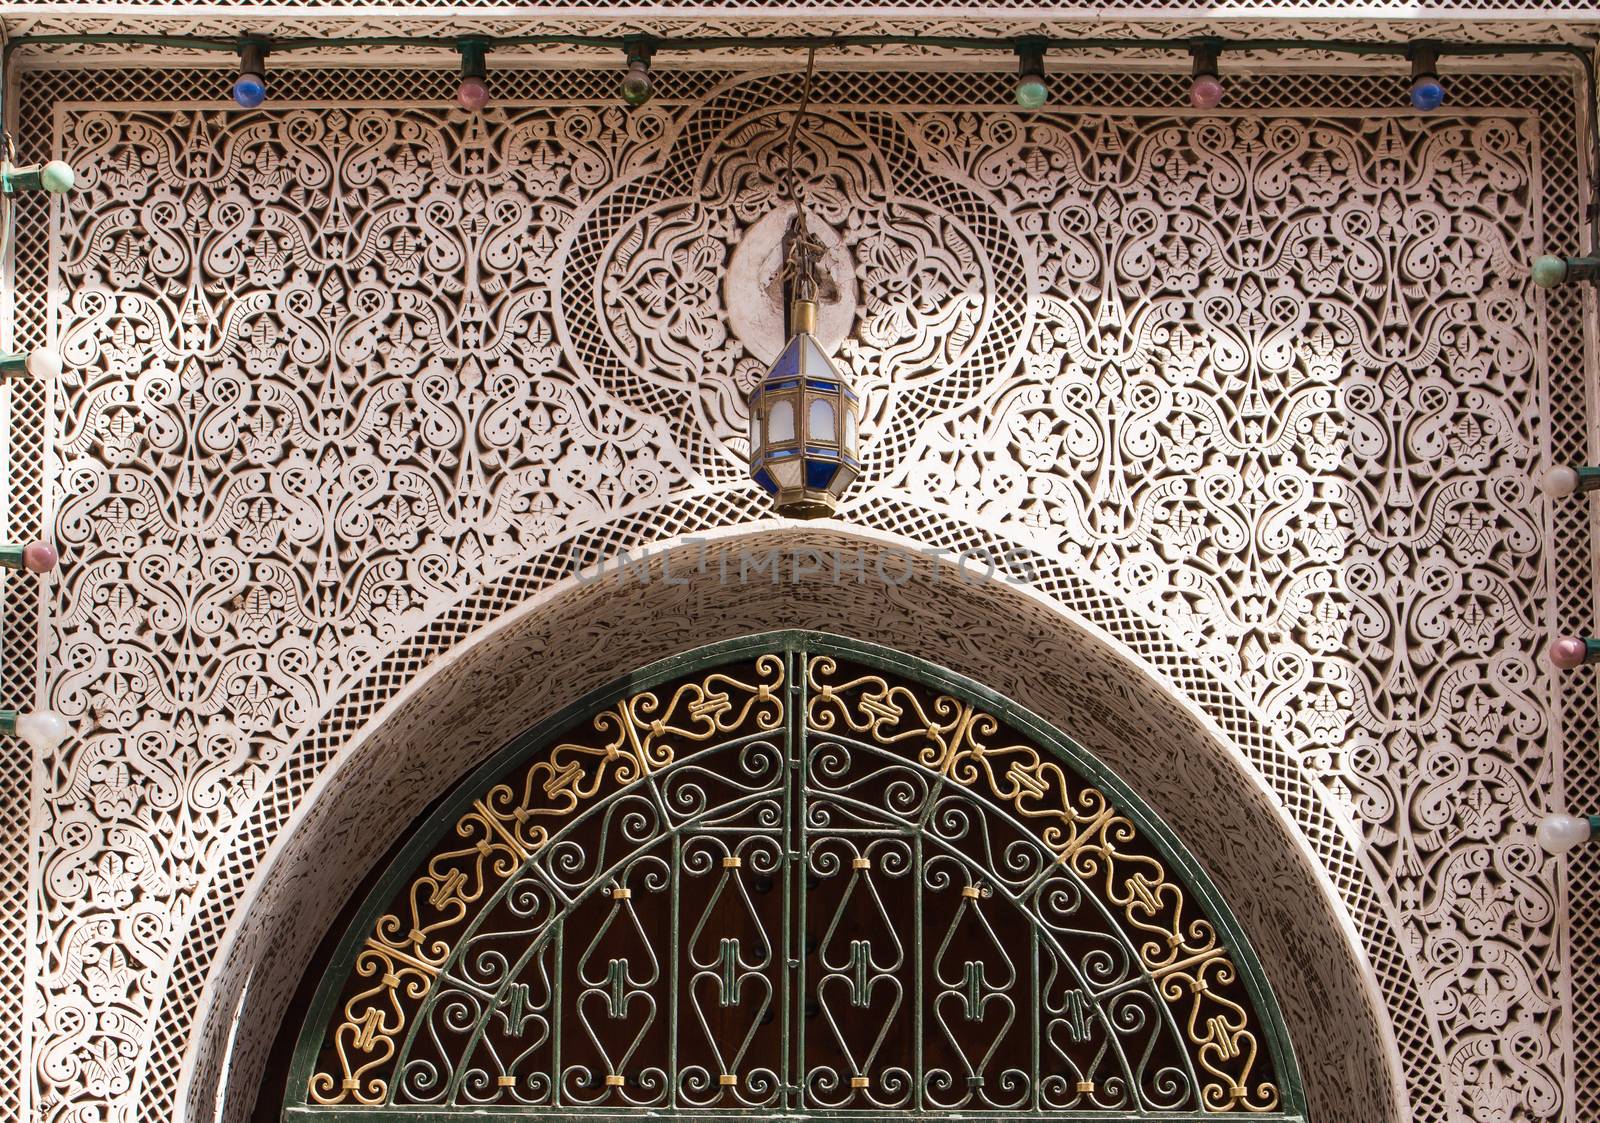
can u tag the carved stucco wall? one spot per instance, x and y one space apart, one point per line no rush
1260 392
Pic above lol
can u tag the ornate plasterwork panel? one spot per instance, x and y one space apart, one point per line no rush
1262 385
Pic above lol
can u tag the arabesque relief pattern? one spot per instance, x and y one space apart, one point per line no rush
1269 379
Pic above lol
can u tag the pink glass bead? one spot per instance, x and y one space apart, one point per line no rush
38 557
1206 92
1568 652
473 94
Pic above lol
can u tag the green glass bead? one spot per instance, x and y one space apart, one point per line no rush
57 177
1032 92
1549 271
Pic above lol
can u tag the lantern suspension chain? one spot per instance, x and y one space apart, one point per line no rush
805 250
803 414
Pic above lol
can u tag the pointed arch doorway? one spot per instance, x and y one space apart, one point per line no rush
796 874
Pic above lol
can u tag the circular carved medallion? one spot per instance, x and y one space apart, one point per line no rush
672 296
753 290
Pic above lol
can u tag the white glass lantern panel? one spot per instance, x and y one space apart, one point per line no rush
780 422
788 472
849 443
816 361
755 432
819 421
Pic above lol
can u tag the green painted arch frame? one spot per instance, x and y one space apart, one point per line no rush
796 648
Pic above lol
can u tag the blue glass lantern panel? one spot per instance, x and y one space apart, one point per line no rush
768 484
774 387
820 473
787 365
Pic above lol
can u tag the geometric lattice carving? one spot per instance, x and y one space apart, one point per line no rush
784 875
1269 379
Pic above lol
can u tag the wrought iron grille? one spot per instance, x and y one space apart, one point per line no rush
793 873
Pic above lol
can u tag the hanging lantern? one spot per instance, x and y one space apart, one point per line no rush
802 415
803 425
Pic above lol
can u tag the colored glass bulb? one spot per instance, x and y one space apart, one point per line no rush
35 557
1206 91
1559 833
249 90
637 85
43 731
38 557
472 94
1568 652
1032 92
1549 271
57 177
1560 482
42 364
1427 93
